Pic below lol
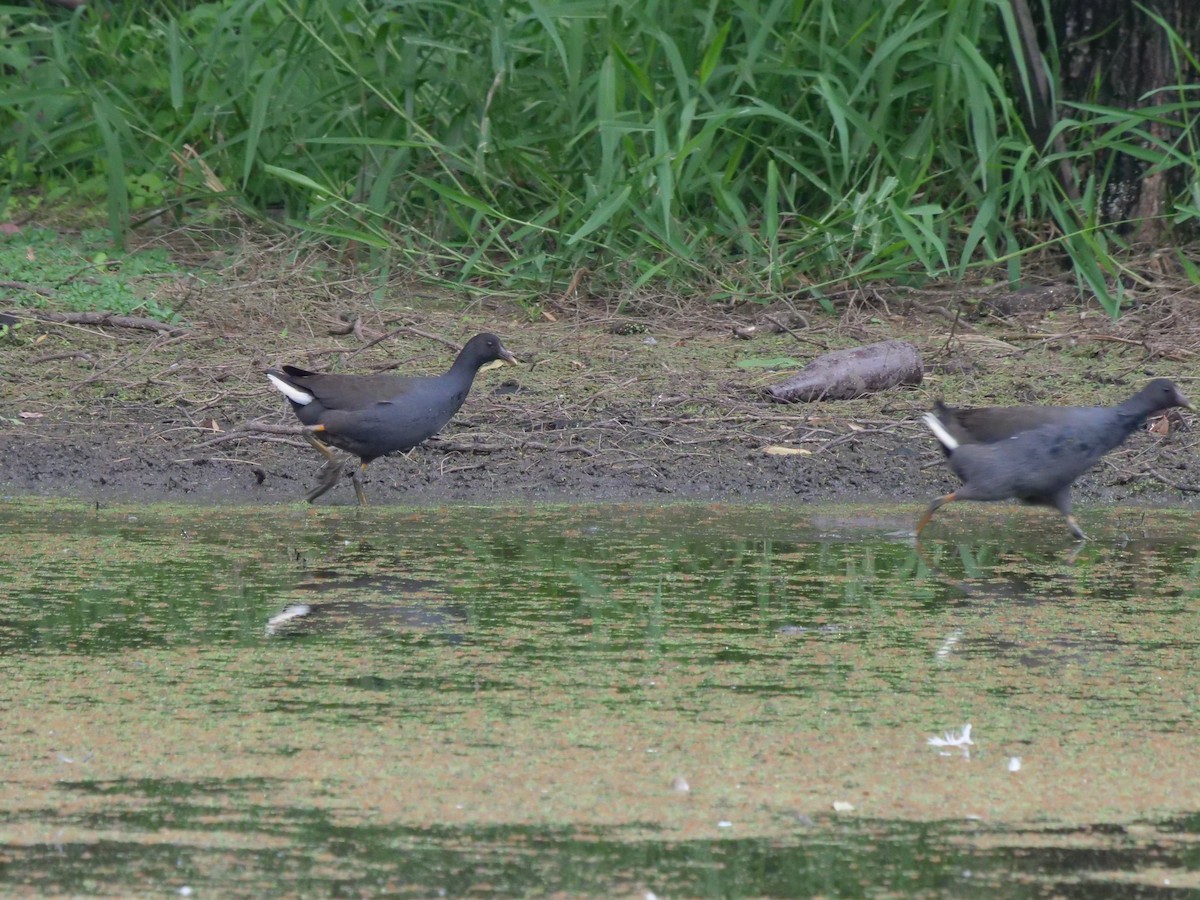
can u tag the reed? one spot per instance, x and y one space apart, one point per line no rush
739 149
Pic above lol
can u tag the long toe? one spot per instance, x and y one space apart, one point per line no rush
330 472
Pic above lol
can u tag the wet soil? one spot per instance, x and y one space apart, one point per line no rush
614 400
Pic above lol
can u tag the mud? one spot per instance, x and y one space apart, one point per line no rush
134 455
650 402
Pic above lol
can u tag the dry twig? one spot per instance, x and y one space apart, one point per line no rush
100 318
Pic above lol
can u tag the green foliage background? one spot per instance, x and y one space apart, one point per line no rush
748 147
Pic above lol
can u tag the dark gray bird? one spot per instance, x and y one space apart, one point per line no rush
374 415
1034 453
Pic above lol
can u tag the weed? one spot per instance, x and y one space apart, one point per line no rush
87 274
742 151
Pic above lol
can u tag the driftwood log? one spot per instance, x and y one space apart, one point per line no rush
846 374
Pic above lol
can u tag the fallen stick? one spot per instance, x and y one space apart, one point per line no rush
100 318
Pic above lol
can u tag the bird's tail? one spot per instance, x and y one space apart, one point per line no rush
297 395
946 439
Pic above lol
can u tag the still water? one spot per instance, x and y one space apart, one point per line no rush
608 701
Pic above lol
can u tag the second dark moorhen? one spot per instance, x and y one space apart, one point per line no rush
374 415
1034 453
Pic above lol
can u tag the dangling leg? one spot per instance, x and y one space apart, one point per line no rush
934 506
317 444
1062 502
328 473
358 485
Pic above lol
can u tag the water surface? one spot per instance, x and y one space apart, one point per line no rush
603 701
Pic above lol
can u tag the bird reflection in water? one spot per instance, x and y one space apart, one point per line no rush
422 609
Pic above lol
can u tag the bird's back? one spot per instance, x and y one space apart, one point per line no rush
1037 463
398 424
352 392
989 424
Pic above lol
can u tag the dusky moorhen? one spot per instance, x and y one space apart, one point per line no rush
374 415
1034 453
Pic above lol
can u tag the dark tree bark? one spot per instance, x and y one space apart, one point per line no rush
1034 92
1113 53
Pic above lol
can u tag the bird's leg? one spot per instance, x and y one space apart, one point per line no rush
330 472
358 486
1075 529
317 444
1062 502
934 506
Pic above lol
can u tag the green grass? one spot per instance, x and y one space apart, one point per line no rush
741 150
81 274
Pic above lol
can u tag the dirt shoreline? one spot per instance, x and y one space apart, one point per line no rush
52 463
653 402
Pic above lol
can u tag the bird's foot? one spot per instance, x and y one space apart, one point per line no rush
329 474
358 484
934 506
1075 529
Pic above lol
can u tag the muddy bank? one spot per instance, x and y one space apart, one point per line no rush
650 404
145 463
649 447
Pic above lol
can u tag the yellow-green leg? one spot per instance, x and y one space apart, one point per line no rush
358 485
328 473
320 446
1075 529
934 506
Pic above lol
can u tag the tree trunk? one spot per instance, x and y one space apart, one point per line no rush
1112 52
